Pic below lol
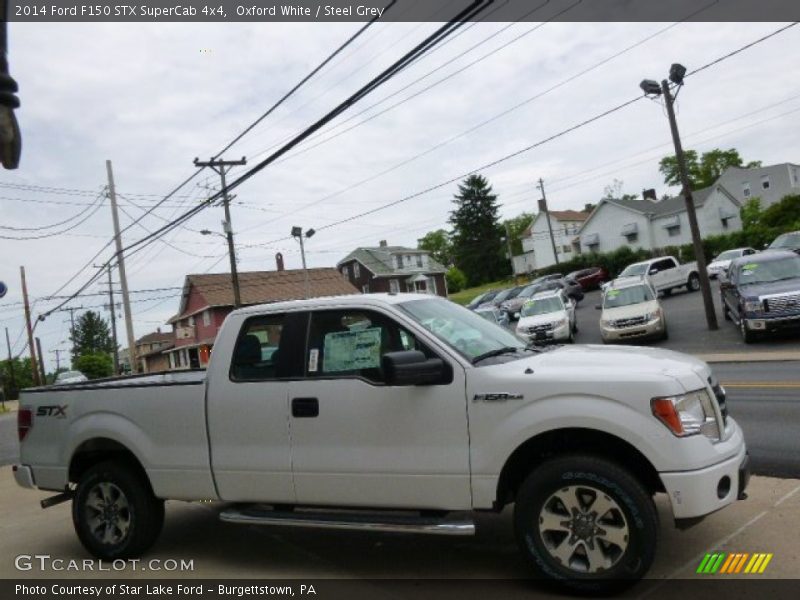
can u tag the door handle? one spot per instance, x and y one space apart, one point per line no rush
305 407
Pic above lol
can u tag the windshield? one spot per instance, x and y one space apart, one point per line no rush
729 255
69 374
634 294
768 271
787 240
632 270
466 332
502 295
542 306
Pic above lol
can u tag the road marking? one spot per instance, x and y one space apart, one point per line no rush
787 496
763 384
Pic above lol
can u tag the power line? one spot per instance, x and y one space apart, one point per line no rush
92 212
77 215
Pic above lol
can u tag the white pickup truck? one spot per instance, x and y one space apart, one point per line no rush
403 413
665 274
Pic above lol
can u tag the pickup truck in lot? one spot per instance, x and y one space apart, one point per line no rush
401 413
665 274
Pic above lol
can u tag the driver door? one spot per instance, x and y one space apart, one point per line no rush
359 442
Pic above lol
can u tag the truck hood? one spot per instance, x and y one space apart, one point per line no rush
629 311
755 290
602 364
535 320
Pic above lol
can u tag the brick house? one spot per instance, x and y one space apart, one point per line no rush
208 298
393 269
150 350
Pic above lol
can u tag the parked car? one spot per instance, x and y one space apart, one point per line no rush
70 377
761 293
497 298
452 421
482 298
721 262
495 315
548 317
787 241
631 310
591 278
665 274
513 306
571 288
503 297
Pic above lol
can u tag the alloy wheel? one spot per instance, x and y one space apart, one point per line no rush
108 513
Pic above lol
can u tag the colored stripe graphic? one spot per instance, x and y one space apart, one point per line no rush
730 564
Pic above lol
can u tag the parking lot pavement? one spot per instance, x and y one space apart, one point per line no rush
687 327
218 550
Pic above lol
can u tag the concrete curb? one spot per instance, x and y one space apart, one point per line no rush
726 357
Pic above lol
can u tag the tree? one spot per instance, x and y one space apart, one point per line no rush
613 191
706 169
23 376
516 228
95 365
90 336
478 249
456 280
439 245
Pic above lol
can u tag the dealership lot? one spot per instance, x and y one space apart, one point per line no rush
219 550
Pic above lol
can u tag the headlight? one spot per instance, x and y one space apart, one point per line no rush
752 305
606 323
687 414
656 314
560 323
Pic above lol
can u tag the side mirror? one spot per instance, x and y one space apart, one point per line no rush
412 367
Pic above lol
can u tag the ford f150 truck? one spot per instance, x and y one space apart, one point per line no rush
403 413
665 274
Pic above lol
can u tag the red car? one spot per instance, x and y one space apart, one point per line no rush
590 278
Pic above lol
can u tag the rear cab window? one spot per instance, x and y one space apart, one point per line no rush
269 347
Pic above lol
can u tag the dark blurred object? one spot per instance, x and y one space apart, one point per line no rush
591 278
10 138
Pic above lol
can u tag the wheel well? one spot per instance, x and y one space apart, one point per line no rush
563 441
97 450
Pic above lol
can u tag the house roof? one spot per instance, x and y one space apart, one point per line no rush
379 260
568 215
261 287
156 337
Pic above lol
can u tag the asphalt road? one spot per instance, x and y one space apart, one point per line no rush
763 397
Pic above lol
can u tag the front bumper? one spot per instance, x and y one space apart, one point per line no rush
773 324
558 334
653 328
23 475
703 491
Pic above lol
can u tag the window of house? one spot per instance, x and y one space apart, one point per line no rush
632 238
365 288
567 249
419 261
796 175
350 343
191 321
765 182
674 231
206 318
746 189
356 271
255 356
346 271
394 286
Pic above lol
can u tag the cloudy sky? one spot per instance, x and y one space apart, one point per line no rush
151 97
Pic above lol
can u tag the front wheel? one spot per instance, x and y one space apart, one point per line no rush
114 511
694 282
586 523
748 337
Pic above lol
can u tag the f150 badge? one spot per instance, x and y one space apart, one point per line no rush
496 397
52 411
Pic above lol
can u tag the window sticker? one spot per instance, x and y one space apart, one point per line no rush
750 267
313 359
613 293
352 350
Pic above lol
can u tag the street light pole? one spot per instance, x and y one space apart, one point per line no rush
297 232
697 241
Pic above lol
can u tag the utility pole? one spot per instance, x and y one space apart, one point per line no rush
32 348
57 352
43 380
222 167
113 322
13 387
508 246
123 280
543 208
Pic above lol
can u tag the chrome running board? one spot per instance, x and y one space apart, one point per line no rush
383 522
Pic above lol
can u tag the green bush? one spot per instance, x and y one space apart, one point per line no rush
95 366
456 280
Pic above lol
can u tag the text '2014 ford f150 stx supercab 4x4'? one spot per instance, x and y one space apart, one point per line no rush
400 413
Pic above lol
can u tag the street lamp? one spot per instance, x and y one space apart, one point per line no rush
677 72
228 235
297 233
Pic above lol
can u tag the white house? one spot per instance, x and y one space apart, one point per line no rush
536 244
652 224
770 183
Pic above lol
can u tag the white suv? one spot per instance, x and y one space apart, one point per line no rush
631 310
548 317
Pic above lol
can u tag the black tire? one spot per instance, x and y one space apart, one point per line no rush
592 480
135 524
667 291
726 314
748 337
693 284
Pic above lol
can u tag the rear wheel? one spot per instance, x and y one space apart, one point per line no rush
586 523
694 282
114 511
